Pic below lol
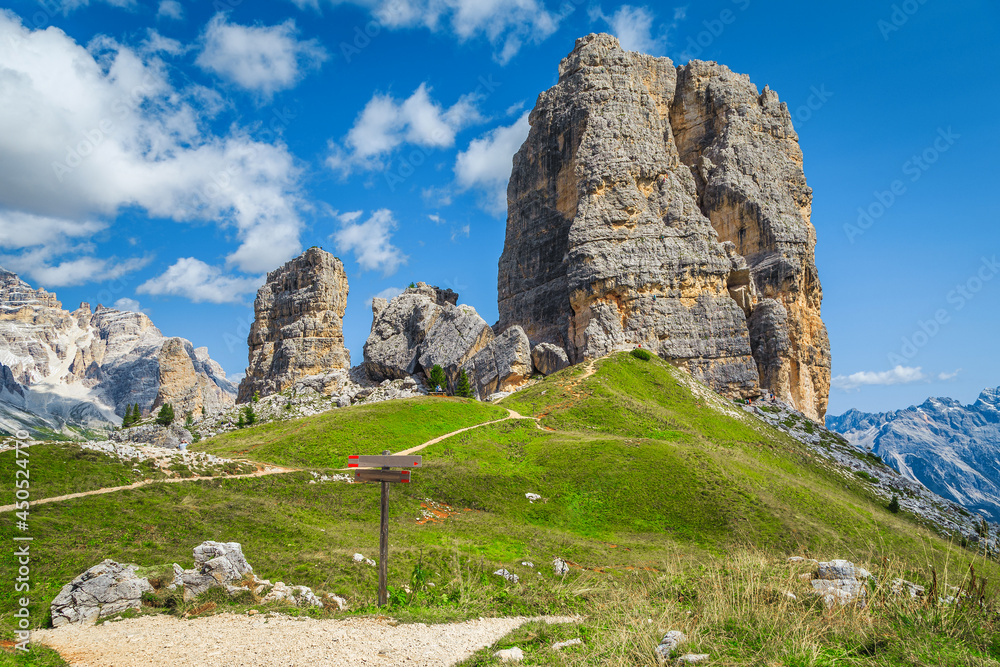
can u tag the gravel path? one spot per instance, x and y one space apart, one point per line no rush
230 640
267 470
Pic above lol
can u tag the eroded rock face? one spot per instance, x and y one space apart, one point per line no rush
503 365
421 328
625 206
184 380
298 327
745 156
85 367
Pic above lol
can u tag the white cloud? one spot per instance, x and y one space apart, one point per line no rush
897 375
507 24
385 123
55 251
633 26
459 232
84 133
132 305
435 218
485 165
68 6
370 241
195 280
263 59
949 376
157 43
170 9
387 293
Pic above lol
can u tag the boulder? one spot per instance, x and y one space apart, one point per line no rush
300 596
503 365
217 565
840 582
548 358
421 328
106 589
510 655
560 567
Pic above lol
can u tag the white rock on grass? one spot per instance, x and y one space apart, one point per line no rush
509 576
510 655
668 645
300 596
692 658
359 558
532 497
558 646
560 567
106 589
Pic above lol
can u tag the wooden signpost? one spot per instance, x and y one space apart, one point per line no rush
385 477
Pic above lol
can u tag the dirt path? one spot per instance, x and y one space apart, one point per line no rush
264 640
268 470
433 441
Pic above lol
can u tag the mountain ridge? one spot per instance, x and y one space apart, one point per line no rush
951 448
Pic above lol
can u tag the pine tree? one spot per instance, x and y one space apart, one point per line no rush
249 416
241 422
136 414
894 505
127 419
463 388
438 378
166 416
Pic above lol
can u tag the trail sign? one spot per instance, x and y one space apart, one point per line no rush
386 477
384 461
382 476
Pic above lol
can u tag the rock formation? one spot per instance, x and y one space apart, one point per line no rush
298 327
666 207
61 369
421 328
503 365
106 589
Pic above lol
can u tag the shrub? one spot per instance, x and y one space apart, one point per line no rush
249 416
464 388
438 378
893 505
640 353
188 419
256 396
166 416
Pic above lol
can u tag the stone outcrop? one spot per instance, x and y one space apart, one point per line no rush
503 365
84 368
184 380
421 328
298 327
106 589
548 358
662 206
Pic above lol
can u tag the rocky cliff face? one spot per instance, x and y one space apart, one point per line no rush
84 368
666 206
950 448
298 327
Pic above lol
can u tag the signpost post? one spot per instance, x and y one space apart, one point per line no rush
385 476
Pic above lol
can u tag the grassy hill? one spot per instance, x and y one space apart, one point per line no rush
677 510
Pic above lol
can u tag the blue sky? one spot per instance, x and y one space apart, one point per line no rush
165 155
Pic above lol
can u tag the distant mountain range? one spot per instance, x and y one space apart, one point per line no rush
952 449
68 372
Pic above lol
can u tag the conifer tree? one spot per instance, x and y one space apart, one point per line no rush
166 416
463 388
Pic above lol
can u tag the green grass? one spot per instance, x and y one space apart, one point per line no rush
57 469
666 503
327 439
